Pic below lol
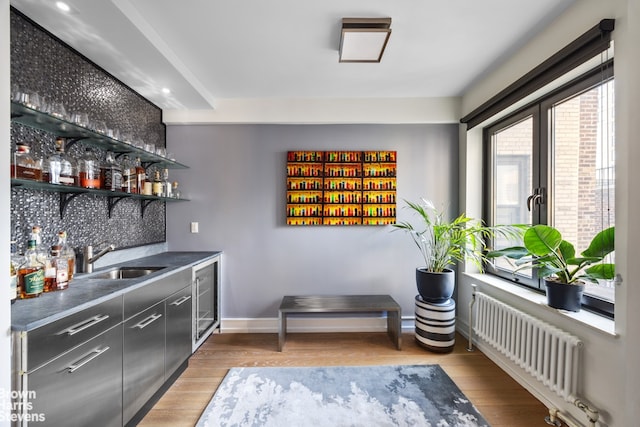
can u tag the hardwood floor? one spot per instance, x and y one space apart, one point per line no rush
501 400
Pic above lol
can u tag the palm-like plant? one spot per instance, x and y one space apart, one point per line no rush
443 242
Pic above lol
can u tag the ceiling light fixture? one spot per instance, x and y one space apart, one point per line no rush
166 90
364 39
63 6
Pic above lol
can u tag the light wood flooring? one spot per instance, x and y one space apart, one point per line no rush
501 400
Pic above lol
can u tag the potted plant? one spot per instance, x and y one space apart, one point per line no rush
556 262
442 242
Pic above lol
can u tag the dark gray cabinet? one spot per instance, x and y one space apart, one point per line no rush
150 314
70 370
178 332
82 386
143 358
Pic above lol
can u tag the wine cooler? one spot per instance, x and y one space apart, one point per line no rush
206 300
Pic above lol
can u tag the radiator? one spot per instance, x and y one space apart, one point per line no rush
550 355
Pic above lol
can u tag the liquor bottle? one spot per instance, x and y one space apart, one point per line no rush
89 170
140 176
67 251
111 173
60 168
129 176
175 190
60 264
30 274
24 165
13 278
156 189
166 184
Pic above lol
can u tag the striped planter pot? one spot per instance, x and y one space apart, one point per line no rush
436 325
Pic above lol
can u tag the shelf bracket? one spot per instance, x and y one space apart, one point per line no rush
113 201
143 205
69 142
65 199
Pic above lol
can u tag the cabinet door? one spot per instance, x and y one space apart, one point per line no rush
178 307
143 358
82 387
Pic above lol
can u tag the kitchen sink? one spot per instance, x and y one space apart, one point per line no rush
126 273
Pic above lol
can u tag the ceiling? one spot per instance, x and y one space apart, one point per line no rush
205 51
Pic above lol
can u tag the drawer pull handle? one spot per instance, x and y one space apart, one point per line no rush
86 359
85 324
146 322
180 301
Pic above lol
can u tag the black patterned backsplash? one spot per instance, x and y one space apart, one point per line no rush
43 64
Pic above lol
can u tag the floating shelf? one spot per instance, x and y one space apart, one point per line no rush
68 193
60 127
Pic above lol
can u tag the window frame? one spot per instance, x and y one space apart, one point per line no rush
540 111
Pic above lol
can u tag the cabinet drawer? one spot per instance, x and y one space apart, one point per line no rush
48 341
82 387
142 298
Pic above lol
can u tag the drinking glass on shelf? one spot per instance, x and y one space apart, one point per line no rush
56 109
81 119
161 151
149 147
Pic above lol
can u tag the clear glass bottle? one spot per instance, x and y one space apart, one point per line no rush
60 265
89 170
30 274
167 187
67 251
129 178
59 168
112 174
24 165
176 191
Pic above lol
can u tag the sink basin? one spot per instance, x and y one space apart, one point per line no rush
126 273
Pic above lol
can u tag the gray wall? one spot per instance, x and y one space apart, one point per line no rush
236 184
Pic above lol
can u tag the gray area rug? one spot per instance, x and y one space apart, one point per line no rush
418 395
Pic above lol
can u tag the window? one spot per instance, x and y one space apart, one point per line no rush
553 163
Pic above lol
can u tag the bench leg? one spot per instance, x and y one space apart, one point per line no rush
282 329
394 327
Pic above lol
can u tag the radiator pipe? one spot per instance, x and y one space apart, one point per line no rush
555 416
473 301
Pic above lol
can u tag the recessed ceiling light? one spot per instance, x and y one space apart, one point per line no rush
63 6
166 90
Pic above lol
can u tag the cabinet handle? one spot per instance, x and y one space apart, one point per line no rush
86 359
85 324
182 300
146 322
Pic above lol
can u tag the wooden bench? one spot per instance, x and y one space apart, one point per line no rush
307 304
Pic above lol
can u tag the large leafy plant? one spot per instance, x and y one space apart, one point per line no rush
555 258
443 242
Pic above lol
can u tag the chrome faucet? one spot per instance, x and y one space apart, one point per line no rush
88 258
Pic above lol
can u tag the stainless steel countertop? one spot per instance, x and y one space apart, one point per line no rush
85 291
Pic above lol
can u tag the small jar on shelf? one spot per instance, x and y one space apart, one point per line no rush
89 170
24 165
59 168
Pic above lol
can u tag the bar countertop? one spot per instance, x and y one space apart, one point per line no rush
86 291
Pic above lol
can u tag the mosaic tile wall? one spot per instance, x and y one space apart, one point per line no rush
43 64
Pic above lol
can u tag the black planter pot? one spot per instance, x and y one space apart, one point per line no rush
435 287
564 297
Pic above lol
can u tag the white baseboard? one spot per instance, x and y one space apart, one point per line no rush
312 324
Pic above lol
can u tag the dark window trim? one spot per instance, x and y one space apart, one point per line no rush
591 43
538 109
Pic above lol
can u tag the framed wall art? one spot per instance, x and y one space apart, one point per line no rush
341 187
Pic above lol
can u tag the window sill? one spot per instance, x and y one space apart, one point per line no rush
586 318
